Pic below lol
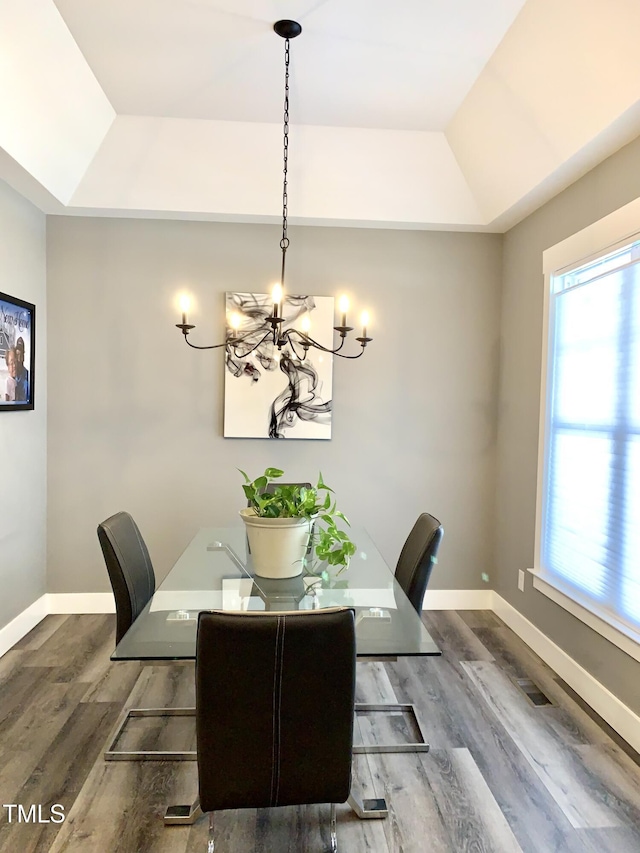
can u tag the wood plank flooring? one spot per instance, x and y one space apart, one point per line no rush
502 776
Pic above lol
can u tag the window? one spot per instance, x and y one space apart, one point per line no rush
589 483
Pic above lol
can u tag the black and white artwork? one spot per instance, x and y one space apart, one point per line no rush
270 393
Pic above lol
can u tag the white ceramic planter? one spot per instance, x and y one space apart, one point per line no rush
278 545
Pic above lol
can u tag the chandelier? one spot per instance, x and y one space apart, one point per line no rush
274 329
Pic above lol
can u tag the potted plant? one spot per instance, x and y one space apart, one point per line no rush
282 521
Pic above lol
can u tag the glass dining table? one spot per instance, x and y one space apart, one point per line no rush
215 572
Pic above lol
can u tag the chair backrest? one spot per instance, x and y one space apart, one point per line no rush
418 557
129 565
275 697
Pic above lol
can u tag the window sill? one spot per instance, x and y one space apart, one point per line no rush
617 632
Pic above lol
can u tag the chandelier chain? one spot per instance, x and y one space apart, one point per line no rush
284 243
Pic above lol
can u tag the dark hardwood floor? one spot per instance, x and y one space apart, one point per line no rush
503 775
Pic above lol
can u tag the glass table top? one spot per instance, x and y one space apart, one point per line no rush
215 573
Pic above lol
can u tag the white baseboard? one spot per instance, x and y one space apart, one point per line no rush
620 717
22 624
81 602
458 599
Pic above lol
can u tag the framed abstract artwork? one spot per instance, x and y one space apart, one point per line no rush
17 353
272 393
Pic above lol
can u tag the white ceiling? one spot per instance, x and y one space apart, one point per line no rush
404 65
448 114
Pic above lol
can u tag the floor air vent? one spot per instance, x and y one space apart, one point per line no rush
533 693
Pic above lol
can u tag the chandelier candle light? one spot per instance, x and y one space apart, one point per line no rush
296 339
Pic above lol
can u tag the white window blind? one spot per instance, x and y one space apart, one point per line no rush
591 482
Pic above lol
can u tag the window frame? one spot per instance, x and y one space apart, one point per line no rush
603 237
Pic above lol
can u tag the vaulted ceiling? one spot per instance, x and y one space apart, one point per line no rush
461 114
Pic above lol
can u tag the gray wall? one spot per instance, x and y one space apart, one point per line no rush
135 417
23 439
606 188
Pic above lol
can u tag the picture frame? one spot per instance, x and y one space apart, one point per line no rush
17 354
272 392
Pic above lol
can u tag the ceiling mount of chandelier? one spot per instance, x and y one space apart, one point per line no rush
299 340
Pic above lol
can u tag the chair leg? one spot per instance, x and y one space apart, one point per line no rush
184 815
111 754
368 809
414 746
334 834
211 843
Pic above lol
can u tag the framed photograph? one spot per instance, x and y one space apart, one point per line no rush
278 394
17 353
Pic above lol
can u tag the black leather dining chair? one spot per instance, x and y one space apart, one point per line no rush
133 582
418 557
129 566
413 571
274 711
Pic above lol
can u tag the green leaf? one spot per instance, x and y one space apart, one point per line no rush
322 484
273 473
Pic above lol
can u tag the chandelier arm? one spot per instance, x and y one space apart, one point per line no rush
292 344
316 345
227 344
304 339
260 342
195 346
310 342
342 355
